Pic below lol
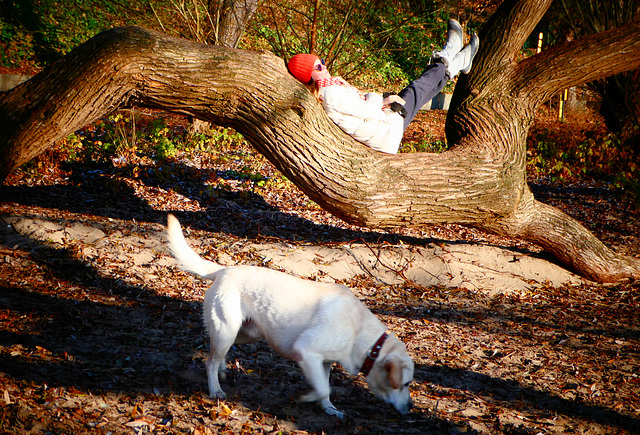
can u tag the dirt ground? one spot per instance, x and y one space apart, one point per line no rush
101 333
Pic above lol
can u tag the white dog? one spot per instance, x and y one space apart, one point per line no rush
312 323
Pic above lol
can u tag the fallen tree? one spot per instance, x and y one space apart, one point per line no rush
480 181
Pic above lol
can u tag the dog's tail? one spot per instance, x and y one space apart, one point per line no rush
187 258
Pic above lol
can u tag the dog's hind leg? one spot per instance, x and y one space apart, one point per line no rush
223 319
221 340
213 365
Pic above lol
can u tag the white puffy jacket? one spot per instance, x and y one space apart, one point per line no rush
362 117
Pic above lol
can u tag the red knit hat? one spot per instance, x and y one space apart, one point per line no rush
301 65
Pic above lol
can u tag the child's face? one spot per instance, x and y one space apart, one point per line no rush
319 71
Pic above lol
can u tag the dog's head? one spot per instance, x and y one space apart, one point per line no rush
392 374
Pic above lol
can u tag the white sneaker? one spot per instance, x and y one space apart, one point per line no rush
453 44
462 61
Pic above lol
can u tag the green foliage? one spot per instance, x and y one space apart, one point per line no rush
109 138
16 45
227 138
412 37
598 154
426 145
374 44
122 135
41 31
159 136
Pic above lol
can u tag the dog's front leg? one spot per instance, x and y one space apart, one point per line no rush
317 373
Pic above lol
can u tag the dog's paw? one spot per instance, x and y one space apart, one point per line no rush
330 409
218 395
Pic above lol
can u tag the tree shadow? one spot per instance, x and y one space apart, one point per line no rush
529 322
98 332
509 393
94 333
81 330
241 214
109 333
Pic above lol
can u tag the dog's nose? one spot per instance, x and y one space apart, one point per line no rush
406 407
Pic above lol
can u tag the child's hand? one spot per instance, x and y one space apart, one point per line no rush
397 107
392 98
395 103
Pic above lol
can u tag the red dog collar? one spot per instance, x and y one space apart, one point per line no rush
372 355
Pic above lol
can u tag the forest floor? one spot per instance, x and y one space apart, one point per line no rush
101 333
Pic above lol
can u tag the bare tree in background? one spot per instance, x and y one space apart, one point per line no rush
216 22
233 17
620 92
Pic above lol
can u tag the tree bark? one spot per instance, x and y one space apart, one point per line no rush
496 103
480 181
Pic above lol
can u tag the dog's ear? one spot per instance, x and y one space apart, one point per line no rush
394 372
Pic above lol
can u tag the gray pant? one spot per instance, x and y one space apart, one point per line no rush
423 89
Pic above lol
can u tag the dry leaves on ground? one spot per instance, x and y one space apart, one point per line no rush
100 333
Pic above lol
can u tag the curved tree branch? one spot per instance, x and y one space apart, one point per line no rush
504 34
580 61
253 93
565 238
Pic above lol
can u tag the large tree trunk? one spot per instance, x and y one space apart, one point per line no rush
494 106
480 182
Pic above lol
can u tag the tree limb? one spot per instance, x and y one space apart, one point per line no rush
504 34
580 61
567 239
